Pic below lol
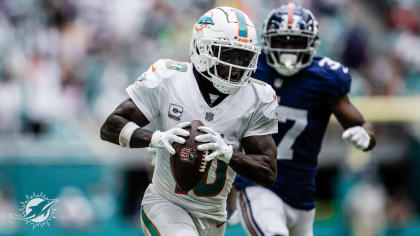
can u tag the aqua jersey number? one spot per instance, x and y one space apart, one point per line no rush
174 65
205 189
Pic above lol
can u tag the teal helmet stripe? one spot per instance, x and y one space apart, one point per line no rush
243 31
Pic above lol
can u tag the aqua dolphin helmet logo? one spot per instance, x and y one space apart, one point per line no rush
205 20
37 210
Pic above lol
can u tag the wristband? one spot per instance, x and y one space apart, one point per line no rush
126 133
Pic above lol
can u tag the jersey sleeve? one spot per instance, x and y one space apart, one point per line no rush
265 118
340 86
146 90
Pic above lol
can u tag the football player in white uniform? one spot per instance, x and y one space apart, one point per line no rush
239 115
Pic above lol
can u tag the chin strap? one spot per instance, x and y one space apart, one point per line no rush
214 83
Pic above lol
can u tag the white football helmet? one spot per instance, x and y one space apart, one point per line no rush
225 36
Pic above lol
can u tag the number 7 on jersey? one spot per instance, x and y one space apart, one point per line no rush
284 149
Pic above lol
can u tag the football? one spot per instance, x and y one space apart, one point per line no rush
187 164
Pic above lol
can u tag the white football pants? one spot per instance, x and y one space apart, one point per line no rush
262 212
165 218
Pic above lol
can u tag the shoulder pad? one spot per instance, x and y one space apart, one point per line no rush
160 70
167 67
255 81
333 74
330 68
329 64
264 91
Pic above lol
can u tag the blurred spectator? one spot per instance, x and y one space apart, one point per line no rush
74 211
8 225
103 202
402 15
365 206
11 98
399 212
355 47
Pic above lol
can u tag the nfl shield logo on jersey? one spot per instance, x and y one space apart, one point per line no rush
278 83
209 116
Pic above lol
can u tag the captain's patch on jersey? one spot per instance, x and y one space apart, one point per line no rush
175 111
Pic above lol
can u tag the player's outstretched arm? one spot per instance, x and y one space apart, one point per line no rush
127 111
259 162
358 132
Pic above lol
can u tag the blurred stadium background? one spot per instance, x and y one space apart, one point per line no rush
64 66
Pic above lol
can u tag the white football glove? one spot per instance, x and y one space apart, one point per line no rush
165 139
357 136
216 144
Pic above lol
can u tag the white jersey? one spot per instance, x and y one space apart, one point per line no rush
168 94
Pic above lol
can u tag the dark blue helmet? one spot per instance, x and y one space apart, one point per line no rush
290 38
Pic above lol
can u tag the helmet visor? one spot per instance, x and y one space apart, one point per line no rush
289 42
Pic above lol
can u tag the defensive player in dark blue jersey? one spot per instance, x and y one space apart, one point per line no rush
309 89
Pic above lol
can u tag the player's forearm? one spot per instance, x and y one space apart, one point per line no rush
369 129
112 127
259 169
141 138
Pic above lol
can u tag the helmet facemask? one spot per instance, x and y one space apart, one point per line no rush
287 52
230 64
